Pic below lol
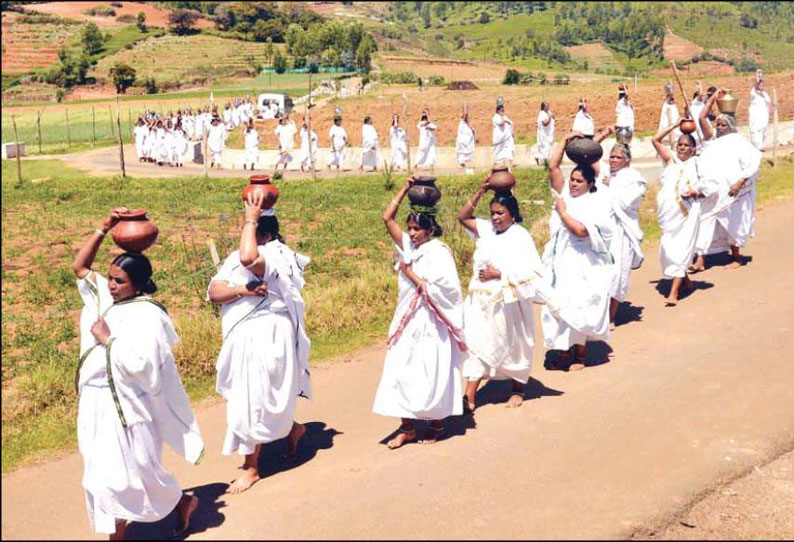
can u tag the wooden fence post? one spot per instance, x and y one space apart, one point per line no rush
93 127
121 139
68 133
110 119
16 146
38 128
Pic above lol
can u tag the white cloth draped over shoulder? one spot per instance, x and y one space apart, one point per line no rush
263 365
679 218
498 316
625 191
131 401
584 124
338 137
399 146
464 143
427 144
421 372
581 273
730 220
369 146
504 147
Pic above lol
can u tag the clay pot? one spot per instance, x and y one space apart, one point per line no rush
424 191
688 126
728 103
260 184
584 150
624 134
501 179
134 231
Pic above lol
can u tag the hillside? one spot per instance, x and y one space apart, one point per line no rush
27 46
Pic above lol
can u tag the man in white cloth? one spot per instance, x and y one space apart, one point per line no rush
759 114
504 148
421 372
369 145
669 116
498 318
732 162
399 144
216 141
139 138
545 133
583 122
464 143
338 137
426 158
263 365
251 145
285 134
308 147
577 262
624 112
624 187
131 398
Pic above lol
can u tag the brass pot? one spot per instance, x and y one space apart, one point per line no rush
728 103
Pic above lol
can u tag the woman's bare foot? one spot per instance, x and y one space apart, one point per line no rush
121 527
576 366
670 302
735 264
185 508
516 400
468 406
562 360
435 432
403 437
249 477
294 437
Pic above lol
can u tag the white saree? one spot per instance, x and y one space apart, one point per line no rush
427 145
464 144
679 218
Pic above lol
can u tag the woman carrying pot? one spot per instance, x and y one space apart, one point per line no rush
263 365
578 263
497 313
131 397
421 375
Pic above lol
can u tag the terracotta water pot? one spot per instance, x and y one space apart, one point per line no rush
688 126
134 231
584 150
501 179
424 191
261 184
728 103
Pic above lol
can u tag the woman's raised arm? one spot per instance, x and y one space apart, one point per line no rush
390 213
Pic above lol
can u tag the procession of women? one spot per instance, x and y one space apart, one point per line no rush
443 341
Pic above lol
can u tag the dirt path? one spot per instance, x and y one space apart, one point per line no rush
691 397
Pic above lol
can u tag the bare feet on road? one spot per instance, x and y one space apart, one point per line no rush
185 508
249 477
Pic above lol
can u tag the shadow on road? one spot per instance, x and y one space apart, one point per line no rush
206 516
596 353
498 392
273 457
628 313
663 287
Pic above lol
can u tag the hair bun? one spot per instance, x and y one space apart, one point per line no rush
150 287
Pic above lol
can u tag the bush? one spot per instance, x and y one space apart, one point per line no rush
101 11
398 78
182 21
140 20
436 81
512 77
562 79
150 85
117 4
126 18
279 62
484 18
746 64
59 95
123 76
313 67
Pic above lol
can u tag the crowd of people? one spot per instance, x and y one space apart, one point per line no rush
441 344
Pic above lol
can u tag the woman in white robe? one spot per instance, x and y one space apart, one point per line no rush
251 146
150 142
504 148
285 134
131 397
263 365
169 144
497 314
308 147
426 158
759 114
624 187
677 209
421 374
180 145
338 137
216 142
399 144
731 162
577 262
139 135
369 145
464 143
545 133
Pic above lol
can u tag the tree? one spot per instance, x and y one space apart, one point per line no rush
141 21
485 18
92 39
512 77
279 62
123 76
364 53
182 21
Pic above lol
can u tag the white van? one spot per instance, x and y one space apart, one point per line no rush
271 105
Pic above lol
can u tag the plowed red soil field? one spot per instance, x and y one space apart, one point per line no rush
74 10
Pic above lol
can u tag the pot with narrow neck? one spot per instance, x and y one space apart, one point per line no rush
260 184
134 232
688 126
501 179
728 103
424 191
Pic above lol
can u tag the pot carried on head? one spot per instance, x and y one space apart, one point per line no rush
688 126
584 151
624 134
424 192
728 103
134 231
501 179
261 184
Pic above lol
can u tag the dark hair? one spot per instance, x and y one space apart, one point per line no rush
425 222
506 199
691 139
268 225
139 269
589 175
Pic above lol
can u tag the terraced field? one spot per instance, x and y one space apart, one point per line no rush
172 58
30 46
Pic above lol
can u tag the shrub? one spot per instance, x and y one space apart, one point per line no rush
126 18
512 77
398 78
562 79
141 21
182 21
92 39
150 85
279 62
123 76
436 81
101 11
484 18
